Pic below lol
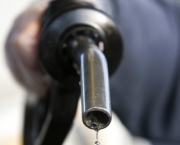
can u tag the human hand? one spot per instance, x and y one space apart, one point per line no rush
22 50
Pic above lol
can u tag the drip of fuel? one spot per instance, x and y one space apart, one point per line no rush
95 126
97 143
97 135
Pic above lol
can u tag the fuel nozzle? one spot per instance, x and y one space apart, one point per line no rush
82 44
92 66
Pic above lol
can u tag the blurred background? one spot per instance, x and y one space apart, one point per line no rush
12 95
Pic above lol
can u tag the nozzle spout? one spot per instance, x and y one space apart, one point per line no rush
96 106
95 96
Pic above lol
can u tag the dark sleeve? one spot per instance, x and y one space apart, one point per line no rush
145 89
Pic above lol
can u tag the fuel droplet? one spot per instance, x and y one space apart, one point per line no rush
97 143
